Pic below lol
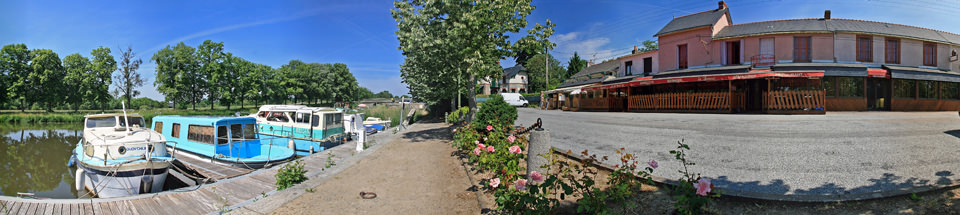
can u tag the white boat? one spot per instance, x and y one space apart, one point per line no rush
119 156
308 127
376 121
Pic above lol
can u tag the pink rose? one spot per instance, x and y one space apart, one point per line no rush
703 186
515 149
653 164
511 138
536 176
476 142
476 151
489 128
490 149
454 130
481 145
495 182
484 138
521 184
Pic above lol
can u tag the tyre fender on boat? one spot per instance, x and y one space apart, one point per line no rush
80 179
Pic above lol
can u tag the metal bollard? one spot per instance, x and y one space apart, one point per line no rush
539 145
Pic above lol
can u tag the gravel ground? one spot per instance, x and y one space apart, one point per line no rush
839 153
414 174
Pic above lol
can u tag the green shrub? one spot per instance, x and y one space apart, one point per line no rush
497 113
457 115
290 174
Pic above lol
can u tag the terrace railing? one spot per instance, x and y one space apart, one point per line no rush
702 101
794 100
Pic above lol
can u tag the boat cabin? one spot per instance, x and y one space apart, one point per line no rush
221 137
301 122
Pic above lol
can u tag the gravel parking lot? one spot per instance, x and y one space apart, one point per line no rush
840 153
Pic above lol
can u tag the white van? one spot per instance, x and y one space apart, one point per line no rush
515 99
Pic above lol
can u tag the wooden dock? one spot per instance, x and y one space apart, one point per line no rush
206 169
226 194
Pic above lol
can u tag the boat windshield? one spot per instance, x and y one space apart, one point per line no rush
101 122
249 131
134 121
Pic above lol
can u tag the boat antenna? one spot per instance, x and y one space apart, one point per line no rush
125 120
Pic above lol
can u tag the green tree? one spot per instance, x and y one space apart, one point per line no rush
574 65
247 79
15 64
383 94
364 93
649 45
448 44
210 57
47 77
295 77
344 87
538 77
534 43
75 83
128 79
101 68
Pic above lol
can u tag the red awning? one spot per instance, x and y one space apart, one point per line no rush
878 73
646 81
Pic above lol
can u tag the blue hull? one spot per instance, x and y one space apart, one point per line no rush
303 146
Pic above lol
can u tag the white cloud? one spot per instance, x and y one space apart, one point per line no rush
587 48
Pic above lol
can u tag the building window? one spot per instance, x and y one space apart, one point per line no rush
200 133
733 53
903 88
949 90
929 54
892 51
175 130
158 127
928 89
864 49
682 56
829 85
628 68
801 49
850 86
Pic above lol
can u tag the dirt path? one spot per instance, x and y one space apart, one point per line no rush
415 174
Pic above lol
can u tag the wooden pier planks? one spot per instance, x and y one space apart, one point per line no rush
211 170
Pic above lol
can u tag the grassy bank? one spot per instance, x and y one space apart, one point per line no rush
10 117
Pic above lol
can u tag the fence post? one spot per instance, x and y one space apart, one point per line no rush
539 145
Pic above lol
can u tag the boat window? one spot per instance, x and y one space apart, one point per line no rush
236 132
339 119
277 117
222 134
175 130
330 119
200 133
134 122
262 114
249 131
303 118
101 122
158 127
316 120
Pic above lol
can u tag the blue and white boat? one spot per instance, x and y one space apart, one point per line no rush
223 140
312 129
118 156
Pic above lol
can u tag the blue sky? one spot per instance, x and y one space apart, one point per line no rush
361 33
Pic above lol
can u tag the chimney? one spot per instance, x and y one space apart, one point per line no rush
634 49
826 14
721 5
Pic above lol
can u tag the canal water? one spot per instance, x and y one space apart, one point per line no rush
33 159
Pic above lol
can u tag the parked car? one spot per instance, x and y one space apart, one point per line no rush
515 99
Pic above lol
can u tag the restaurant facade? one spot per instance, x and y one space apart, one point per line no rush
705 63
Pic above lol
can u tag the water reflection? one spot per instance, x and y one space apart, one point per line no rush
33 159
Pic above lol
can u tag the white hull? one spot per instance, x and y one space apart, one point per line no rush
109 186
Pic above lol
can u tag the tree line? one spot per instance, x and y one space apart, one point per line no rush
188 75
185 75
39 77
